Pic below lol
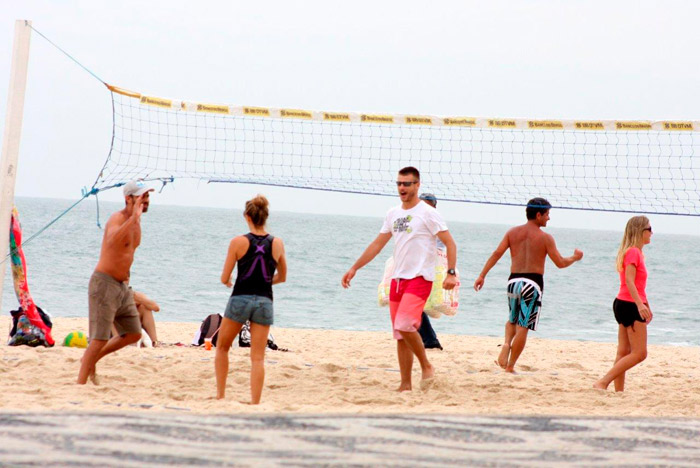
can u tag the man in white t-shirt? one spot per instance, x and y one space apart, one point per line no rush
414 226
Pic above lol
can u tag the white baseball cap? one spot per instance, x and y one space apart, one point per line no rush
136 188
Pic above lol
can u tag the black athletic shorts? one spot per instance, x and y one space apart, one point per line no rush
626 313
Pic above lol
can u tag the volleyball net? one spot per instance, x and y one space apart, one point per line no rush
631 166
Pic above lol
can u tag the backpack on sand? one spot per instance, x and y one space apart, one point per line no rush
209 329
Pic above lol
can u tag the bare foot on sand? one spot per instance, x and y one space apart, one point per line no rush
404 388
93 377
503 356
427 384
510 370
599 386
428 373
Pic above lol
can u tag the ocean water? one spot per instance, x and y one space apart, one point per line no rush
183 250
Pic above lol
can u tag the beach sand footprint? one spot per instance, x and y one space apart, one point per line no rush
429 384
570 365
21 363
329 367
371 401
177 396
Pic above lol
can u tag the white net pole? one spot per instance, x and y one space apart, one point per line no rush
12 134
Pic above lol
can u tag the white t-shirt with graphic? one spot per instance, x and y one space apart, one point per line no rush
414 233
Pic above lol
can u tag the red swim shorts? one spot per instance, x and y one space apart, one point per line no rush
406 301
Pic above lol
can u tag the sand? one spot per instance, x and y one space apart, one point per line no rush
330 371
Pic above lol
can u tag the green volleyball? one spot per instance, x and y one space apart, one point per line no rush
76 339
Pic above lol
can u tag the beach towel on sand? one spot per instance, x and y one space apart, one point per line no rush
19 278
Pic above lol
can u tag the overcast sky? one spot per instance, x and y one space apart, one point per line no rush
540 59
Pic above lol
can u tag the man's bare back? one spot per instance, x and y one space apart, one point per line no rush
528 248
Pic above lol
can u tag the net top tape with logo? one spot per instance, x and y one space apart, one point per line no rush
609 165
402 119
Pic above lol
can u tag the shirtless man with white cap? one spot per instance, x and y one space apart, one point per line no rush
110 299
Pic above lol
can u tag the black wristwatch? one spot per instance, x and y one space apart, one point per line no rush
452 272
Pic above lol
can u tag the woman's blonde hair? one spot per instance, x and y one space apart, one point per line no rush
632 237
257 210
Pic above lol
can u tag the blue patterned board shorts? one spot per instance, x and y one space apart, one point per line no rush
524 301
257 309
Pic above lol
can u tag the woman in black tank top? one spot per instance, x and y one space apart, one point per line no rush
261 263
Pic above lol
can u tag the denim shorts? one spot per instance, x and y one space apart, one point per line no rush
257 309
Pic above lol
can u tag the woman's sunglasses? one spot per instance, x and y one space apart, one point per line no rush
649 229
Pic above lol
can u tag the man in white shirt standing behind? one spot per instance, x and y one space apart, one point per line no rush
414 226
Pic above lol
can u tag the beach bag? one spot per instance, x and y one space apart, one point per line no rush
440 300
244 339
385 283
209 329
24 333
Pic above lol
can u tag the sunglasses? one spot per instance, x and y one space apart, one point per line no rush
399 183
648 229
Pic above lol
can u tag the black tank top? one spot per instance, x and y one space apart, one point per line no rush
256 268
